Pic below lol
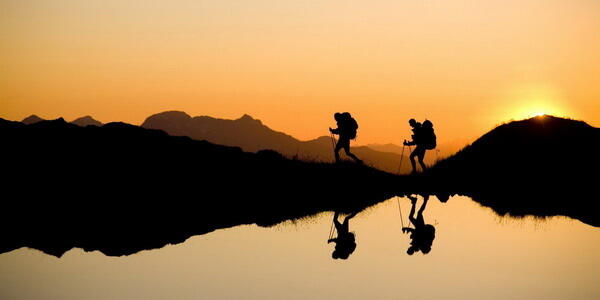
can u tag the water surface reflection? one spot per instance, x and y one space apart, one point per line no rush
476 255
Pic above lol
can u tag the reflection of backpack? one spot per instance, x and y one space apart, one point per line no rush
350 125
428 138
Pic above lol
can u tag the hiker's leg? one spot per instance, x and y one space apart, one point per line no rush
356 159
336 152
337 223
420 153
352 215
348 217
425 199
411 215
345 226
421 162
412 160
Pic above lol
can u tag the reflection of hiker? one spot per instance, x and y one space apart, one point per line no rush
344 242
424 137
346 129
423 234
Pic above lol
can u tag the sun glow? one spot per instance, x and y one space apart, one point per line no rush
536 110
536 101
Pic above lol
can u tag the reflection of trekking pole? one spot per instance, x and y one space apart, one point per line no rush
331 230
400 210
401 158
333 144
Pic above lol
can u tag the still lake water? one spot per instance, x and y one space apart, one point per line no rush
475 255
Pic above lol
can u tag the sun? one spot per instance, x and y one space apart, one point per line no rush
537 103
536 111
536 114
533 101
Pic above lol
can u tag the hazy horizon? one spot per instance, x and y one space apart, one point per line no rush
465 65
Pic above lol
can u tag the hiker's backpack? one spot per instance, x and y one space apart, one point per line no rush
351 126
428 137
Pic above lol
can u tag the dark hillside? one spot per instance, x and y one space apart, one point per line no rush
121 188
541 166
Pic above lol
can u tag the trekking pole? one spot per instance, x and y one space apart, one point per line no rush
333 144
401 158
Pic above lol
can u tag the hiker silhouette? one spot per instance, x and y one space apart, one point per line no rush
424 138
422 235
346 129
345 243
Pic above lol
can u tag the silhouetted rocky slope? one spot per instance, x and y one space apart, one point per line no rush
120 188
543 166
252 135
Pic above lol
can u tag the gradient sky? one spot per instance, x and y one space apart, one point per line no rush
466 65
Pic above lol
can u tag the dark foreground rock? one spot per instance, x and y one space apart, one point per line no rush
120 188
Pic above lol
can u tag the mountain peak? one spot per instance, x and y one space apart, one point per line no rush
167 117
32 119
249 119
85 121
175 114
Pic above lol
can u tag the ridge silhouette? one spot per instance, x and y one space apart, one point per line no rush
252 135
120 188
82 121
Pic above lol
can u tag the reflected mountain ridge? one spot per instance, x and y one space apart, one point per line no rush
135 189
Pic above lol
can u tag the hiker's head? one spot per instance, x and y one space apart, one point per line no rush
344 247
337 116
425 249
412 122
343 250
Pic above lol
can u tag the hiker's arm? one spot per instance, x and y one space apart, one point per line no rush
411 143
336 131
407 229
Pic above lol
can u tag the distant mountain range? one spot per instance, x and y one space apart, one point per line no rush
83 121
252 135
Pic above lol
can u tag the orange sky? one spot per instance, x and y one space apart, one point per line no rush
466 65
